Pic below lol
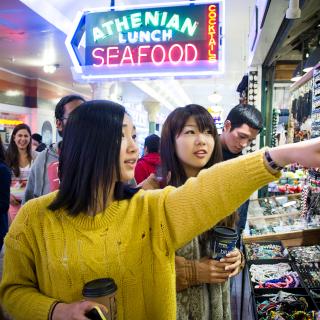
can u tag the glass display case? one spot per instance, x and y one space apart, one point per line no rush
278 215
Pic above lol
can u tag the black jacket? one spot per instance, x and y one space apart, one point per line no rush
5 181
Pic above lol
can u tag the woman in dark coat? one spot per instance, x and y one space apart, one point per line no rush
5 180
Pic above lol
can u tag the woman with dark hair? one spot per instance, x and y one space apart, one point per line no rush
190 143
5 180
19 158
93 227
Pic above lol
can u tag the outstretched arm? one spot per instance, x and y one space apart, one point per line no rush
203 201
306 153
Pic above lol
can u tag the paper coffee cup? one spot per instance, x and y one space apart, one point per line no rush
102 291
223 241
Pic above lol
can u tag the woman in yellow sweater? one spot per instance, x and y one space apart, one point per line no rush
94 228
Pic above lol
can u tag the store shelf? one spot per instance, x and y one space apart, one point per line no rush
273 216
293 238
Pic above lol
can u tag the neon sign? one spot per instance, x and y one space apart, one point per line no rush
180 40
158 54
136 20
212 33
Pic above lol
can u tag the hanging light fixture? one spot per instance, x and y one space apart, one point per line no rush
215 97
293 11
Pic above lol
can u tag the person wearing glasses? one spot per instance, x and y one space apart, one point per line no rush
44 172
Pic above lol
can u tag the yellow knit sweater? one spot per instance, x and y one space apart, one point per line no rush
50 255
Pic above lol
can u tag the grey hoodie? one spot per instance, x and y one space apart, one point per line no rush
38 182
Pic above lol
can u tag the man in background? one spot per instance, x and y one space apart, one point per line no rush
44 171
150 160
243 123
37 144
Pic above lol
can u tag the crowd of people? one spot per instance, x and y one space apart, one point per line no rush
81 219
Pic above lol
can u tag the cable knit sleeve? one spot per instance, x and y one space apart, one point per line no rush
203 201
19 287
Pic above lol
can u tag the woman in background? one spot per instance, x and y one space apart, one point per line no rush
19 158
5 180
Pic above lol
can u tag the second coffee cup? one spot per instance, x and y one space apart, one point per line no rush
102 291
223 241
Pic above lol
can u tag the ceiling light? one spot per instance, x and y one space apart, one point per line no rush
215 97
50 68
293 12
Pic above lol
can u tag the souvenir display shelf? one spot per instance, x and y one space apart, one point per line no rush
284 281
281 218
293 179
315 116
281 229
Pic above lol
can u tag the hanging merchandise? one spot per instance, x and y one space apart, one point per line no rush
315 116
315 123
275 121
316 88
301 111
311 197
253 88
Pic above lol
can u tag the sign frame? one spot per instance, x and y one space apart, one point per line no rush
89 73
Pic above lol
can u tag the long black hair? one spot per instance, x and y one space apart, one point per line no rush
89 159
12 154
172 128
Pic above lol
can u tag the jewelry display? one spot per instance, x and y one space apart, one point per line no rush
284 305
305 254
301 273
310 274
257 251
264 272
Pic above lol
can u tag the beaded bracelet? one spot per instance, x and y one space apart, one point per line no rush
271 162
53 306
